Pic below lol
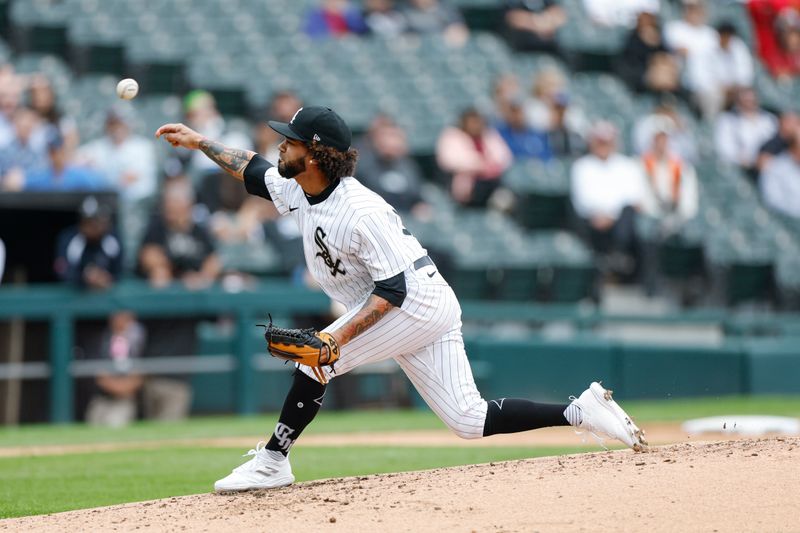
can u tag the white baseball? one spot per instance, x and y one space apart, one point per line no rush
127 89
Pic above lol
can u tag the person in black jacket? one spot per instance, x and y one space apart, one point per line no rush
89 254
646 64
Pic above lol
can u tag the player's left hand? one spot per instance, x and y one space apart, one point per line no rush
180 135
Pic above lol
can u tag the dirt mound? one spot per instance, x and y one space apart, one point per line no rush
745 485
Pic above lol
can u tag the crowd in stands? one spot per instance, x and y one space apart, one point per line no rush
710 69
685 63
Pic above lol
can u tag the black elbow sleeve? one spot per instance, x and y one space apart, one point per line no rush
254 177
393 290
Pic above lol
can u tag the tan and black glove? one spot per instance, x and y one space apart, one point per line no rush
305 346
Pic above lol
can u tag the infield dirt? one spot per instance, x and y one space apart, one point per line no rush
743 485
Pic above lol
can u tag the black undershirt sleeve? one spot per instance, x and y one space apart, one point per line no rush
393 290
254 177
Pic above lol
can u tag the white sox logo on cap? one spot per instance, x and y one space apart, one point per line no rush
295 115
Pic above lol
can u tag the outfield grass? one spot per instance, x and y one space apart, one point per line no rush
367 421
37 485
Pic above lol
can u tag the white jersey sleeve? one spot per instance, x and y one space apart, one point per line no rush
383 245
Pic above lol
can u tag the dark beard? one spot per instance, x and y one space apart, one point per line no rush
290 169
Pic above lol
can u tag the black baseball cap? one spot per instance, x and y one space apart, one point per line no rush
315 123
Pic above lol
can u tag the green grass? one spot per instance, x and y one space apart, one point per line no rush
367 421
217 426
37 485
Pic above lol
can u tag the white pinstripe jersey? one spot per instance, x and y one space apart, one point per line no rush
351 239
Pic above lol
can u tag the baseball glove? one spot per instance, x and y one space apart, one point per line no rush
305 346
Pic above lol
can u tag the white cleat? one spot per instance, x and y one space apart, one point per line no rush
260 472
602 416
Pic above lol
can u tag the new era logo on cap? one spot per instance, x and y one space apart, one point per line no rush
316 124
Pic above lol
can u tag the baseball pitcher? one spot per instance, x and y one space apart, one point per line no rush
398 304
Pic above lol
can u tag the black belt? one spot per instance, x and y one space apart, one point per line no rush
423 262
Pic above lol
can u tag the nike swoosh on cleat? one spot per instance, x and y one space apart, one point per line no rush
432 274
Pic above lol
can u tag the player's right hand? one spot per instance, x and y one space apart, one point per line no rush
180 135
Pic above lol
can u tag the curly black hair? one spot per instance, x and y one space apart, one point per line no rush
334 163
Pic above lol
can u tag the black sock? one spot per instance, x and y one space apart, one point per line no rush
512 415
299 409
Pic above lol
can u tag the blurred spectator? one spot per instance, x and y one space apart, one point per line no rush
386 167
506 88
777 35
671 192
25 153
524 141
780 181
740 133
203 117
618 12
114 402
117 391
607 191
383 18
531 25
42 98
564 140
174 246
235 216
788 129
334 18
10 92
681 140
126 160
89 255
720 71
695 41
436 16
2 259
476 157
282 107
549 97
646 64
62 174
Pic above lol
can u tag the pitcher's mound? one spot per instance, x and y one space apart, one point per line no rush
746 485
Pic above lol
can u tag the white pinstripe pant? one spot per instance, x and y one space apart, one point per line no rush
424 337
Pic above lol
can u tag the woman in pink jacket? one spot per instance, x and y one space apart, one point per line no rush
475 155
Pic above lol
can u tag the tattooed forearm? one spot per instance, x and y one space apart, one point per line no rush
231 160
375 309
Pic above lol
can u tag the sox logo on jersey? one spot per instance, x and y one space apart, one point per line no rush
325 254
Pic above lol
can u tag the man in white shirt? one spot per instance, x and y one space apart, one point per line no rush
694 41
607 191
780 181
722 70
126 160
618 12
740 133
